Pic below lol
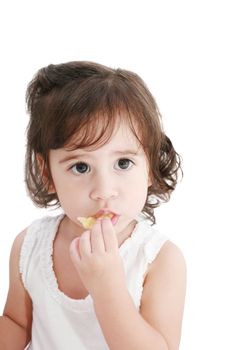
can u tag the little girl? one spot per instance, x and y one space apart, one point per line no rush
100 275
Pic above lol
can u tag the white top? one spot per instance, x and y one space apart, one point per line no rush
59 322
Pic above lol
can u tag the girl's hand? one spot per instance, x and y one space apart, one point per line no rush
96 257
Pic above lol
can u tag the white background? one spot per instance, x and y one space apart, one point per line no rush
183 50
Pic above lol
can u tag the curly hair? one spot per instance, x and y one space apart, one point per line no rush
71 99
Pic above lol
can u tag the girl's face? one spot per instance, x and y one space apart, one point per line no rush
113 177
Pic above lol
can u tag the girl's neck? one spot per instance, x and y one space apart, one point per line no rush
126 233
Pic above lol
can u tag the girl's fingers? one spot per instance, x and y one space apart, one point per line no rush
97 242
109 235
102 238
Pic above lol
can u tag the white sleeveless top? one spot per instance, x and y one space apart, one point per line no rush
59 322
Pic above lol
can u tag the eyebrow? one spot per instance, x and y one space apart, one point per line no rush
86 154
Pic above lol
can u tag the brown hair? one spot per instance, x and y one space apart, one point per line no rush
72 98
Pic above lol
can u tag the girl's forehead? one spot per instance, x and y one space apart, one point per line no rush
123 136
95 135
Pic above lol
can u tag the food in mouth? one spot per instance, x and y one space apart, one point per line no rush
89 221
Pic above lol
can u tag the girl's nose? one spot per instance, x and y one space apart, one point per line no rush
103 190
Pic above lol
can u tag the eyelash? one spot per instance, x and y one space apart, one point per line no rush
75 172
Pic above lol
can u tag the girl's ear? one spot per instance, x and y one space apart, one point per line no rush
45 174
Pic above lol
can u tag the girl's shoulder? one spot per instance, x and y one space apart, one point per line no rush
160 251
45 223
170 257
39 228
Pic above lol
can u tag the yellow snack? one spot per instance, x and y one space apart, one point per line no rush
89 221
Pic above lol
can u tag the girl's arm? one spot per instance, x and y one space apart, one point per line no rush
15 324
163 297
158 325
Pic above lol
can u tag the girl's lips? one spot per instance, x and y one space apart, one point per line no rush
112 216
103 212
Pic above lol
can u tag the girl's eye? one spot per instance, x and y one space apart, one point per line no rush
80 168
124 163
